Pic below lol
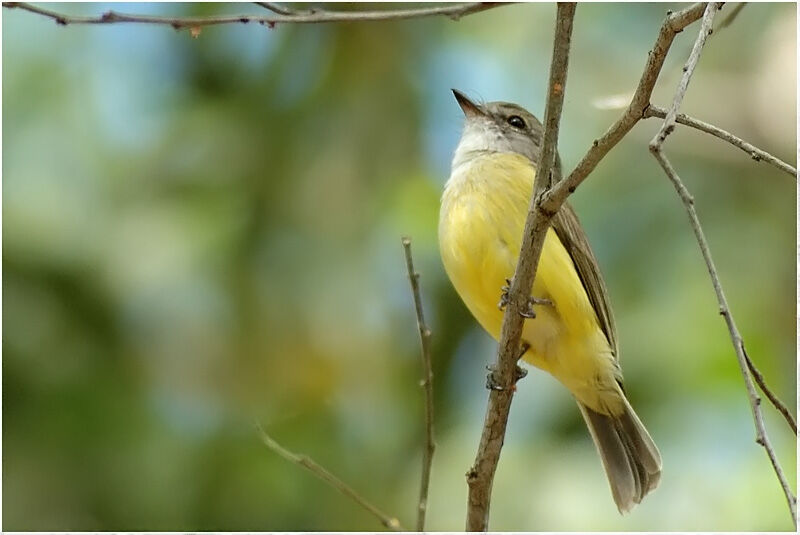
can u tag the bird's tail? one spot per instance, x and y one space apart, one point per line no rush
630 457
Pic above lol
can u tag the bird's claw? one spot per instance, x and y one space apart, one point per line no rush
493 384
491 381
519 373
504 295
528 312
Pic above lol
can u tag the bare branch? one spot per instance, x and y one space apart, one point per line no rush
776 402
754 152
301 460
738 343
481 475
276 8
427 383
669 121
674 24
453 11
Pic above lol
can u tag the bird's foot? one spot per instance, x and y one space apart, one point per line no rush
528 312
504 295
492 382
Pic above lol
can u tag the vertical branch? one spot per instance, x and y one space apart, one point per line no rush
656 147
481 475
427 383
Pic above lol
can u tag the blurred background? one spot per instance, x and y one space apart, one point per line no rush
202 233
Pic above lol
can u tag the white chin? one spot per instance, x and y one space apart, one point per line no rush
479 135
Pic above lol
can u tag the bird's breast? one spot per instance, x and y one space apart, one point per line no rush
483 212
484 207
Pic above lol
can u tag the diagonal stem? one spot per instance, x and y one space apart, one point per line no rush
656 147
775 400
754 152
309 464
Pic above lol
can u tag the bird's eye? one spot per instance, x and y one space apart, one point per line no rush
516 121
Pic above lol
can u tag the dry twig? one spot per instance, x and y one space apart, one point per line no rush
776 402
301 460
276 8
656 147
280 15
754 152
481 475
427 383
673 25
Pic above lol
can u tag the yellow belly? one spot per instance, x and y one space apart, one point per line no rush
484 207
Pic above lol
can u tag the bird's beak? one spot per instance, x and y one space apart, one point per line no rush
469 108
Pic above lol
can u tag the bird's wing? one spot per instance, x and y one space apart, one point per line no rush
569 231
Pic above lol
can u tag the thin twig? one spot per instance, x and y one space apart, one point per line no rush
275 8
389 522
453 11
725 23
754 152
776 402
427 383
672 26
656 147
669 121
738 343
481 475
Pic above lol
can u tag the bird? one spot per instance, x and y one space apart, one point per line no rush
573 336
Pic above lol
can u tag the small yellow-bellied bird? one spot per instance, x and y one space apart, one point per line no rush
573 337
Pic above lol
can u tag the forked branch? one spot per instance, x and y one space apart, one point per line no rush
656 147
672 26
775 400
755 153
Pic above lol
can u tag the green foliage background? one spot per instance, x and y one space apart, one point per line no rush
199 233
